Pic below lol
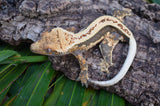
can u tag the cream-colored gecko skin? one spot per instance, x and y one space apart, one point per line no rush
60 42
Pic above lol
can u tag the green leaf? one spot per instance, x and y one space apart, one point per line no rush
7 53
51 101
89 97
3 94
156 1
105 98
66 92
9 101
11 76
57 80
77 95
17 86
4 69
109 99
117 101
25 59
37 97
36 86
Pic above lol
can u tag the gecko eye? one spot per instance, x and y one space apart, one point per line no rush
49 50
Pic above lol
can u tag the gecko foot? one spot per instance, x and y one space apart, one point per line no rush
83 77
104 66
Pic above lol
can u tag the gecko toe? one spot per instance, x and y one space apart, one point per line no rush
84 79
85 84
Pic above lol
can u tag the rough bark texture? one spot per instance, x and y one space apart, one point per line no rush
25 20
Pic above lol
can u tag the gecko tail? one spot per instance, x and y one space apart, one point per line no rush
124 69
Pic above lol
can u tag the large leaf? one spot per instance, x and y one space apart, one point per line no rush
36 86
57 92
108 99
5 69
37 97
11 76
25 59
77 95
89 97
70 93
7 53
105 99
66 93
2 95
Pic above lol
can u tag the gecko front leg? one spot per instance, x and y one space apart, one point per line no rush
83 75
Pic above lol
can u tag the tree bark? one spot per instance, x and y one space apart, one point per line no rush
25 20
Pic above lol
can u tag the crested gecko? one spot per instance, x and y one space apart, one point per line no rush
60 42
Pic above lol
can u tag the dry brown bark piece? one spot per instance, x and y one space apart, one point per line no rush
25 20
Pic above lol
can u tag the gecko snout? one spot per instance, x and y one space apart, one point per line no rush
32 47
35 48
39 48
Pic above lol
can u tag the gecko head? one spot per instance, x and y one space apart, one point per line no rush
50 43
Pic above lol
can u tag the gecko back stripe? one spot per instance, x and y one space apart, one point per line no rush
98 24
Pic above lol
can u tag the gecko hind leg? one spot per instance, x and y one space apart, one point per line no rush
83 75
106 48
